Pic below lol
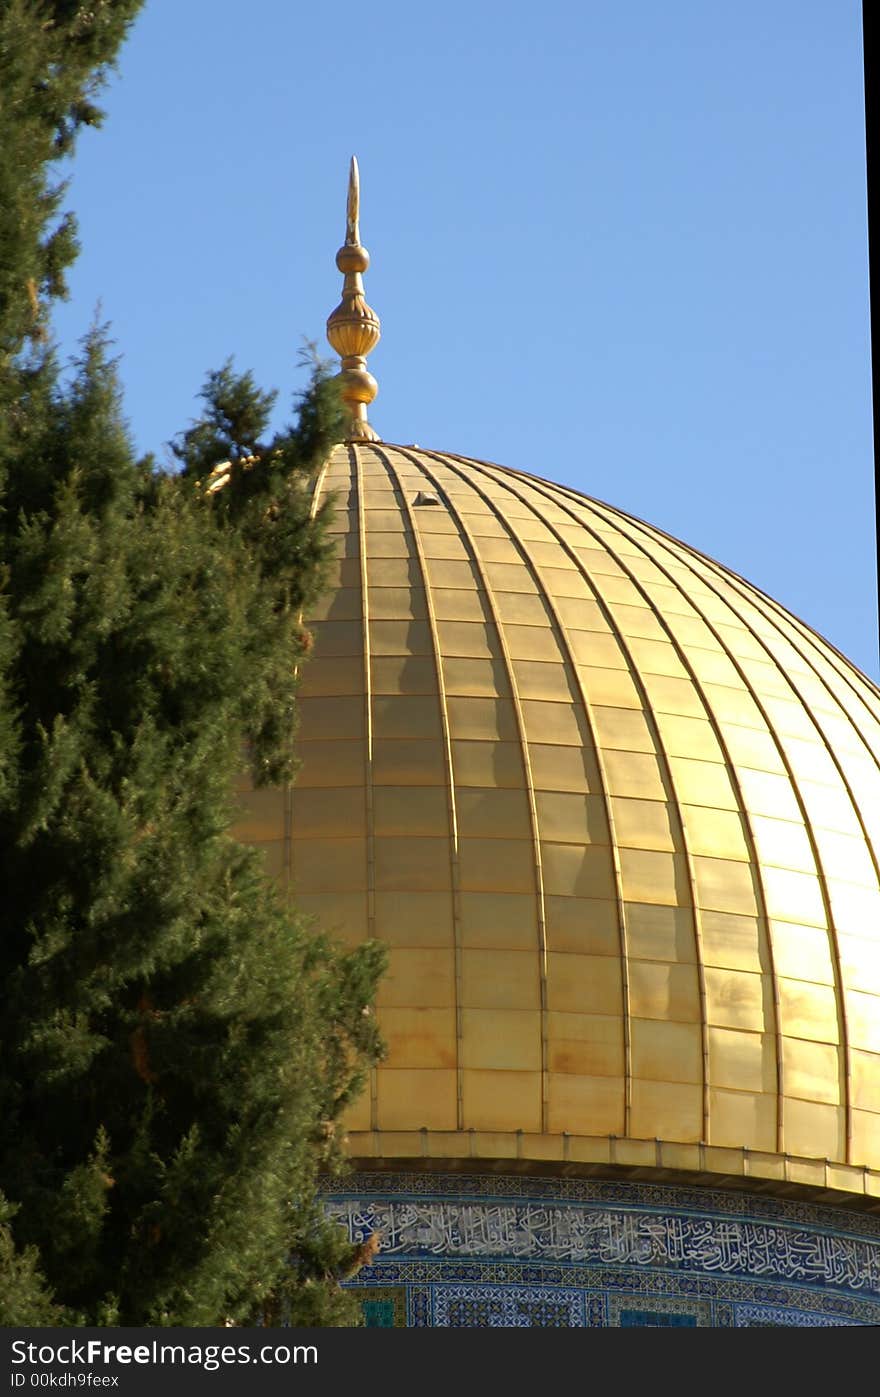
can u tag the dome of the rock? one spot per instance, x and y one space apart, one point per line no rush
616 815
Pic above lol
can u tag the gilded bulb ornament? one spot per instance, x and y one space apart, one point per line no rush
353 328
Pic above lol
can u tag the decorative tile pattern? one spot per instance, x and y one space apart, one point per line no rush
492 1251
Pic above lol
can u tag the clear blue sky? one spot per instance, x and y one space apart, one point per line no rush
623 246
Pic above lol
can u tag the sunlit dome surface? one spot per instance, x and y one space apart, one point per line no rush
617 815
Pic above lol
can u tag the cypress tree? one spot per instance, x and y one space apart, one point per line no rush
176 1046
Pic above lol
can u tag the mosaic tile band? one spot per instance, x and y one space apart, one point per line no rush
487 1251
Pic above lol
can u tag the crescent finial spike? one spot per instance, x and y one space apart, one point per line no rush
352 214
353 328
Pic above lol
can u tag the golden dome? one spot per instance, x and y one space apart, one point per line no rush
617 815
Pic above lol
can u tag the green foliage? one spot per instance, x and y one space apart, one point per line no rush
176 1045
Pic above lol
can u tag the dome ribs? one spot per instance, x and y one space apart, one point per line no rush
479 566
387 460
680 553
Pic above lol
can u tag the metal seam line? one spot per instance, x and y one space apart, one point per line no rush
471 544
354 458
664 763
385 456
820 874
834 946
565 649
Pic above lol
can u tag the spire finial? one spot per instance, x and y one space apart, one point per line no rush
353 328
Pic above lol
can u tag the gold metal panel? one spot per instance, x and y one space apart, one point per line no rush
812 1071
572 817
343 675
854 909
342 915
863 1021
613 687
657 932
488 764
325 865
670 1110
419 1037
637 620
815 1129
647 875
412 1098
491 718
418 977
585 1105
493 813
666 1052
415 919
393 572
326 718
499 979
499 921
733 942
507 1039
341 604
738 1118
537 679
413 864
502 1100
741 1061
622 729
386 519
866 1140
846 858
668 694
497 865
828 808
388 545
659 990
584 984
399 637
558 768
860 963
547 722
443 545
260 815
479 678
686 736
330 763
657 657
802 952
565 582
644 824
456 604
703 783
343 572
589 1045
516 609
397 604
407 715
596 649
585 925
509 577
711 666
635 774
451 572
403 674
753 748
477 639
725 885
715 833
693 631
579 614
408 810
409 762
766 793
325 812
494 549
618 590
809 1011
737 999
811 761
636 1154
574 870
784 843
793 897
